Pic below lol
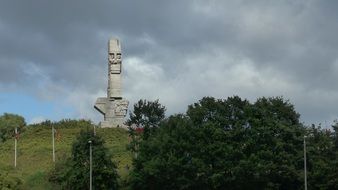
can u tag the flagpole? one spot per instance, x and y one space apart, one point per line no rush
90 166
305 176
53 144
15 144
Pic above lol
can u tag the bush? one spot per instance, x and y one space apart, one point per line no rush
73 172
9 180
8 123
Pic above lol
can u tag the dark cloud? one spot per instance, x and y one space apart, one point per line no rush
178 51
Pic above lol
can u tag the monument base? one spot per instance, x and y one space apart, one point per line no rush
114 111
110 124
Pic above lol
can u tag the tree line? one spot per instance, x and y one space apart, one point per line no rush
231 144
216 144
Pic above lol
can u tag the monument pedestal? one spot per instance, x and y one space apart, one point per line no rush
114 111
108 124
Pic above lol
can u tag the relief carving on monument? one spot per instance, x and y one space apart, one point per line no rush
114 63
121 107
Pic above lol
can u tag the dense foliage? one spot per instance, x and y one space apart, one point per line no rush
8 179
73 173
217 144
144 119
147 114
322 157
234 144
8 123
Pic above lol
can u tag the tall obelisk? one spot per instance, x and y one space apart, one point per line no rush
113 107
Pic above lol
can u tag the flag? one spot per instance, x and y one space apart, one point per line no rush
139 130
57 135
16 135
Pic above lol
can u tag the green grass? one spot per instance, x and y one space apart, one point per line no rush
35 153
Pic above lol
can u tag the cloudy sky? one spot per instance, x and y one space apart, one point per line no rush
53 54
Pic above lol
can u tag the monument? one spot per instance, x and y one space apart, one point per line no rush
113 107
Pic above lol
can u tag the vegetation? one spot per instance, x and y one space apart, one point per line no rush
217 144
147 114
9 180
144 119
35 152
73 172
322 157
233 144
8 123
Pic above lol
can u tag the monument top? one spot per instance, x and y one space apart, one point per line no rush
114 46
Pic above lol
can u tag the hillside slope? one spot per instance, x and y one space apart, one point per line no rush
35 153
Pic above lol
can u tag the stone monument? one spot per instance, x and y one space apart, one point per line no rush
113 107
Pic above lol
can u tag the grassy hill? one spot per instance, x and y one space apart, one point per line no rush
35 153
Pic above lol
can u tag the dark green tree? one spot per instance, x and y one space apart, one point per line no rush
8 123
74 172
147 114
322 158
332 182
165 159
273 146
225 114
144 120
224 144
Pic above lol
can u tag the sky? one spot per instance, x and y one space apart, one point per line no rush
53 54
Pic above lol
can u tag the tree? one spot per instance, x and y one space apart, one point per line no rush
74 172
274 145
332 177
144 119
147 114
8 123
165 158
322 158
225 114
224 144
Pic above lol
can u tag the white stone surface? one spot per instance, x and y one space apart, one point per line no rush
115 68
113 107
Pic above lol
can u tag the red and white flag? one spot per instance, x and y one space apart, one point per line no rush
16 134
57 135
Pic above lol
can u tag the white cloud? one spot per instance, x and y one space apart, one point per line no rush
178 52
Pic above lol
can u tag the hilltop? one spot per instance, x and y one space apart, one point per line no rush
35 152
